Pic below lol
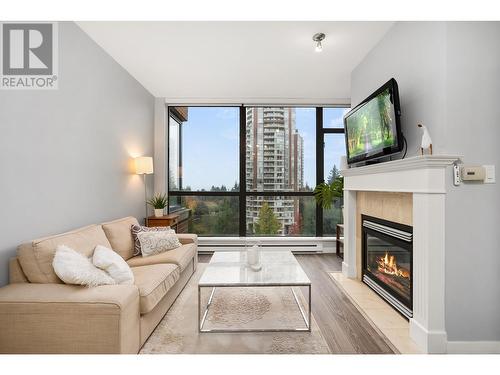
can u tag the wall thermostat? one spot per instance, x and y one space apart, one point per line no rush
479 173
473 173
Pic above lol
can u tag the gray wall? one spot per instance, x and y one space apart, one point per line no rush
473 211
65 155
414 54
449 79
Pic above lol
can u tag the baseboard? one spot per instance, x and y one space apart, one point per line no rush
431 342
473 347
436 342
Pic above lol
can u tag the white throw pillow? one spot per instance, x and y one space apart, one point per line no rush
157 242
111 262
75 268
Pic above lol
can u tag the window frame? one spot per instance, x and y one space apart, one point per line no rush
243 193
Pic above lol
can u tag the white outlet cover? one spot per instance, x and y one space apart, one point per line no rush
490 174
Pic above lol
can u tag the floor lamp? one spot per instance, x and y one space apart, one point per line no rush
144 166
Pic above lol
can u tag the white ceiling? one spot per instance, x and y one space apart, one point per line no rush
239 61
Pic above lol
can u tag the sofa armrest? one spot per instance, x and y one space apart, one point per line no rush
187 238
16 274
59 318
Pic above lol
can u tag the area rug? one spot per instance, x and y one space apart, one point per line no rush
233 308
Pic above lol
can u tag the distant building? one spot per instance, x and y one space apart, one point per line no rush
274 162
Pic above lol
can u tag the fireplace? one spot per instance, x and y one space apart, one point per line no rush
387 261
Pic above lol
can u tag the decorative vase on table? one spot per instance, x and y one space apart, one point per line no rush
159 212
253 250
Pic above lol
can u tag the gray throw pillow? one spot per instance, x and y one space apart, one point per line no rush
136 229
157 242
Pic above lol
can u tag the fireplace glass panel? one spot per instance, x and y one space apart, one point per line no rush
390 265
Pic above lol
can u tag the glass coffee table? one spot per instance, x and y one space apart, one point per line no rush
230 269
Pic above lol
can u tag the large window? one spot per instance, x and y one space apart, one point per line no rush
251 171
212 215
334 149
205 149
280 160
280 149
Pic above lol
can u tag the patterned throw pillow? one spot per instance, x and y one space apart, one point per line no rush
157 242
136 229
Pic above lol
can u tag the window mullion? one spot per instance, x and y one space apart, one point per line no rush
320 162
243 174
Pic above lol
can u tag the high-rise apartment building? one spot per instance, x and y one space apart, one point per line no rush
274 162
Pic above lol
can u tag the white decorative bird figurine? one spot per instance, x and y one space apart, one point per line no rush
426 140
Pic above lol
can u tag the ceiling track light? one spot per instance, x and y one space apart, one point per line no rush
318 38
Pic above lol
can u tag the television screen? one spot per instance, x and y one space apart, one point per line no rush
372 128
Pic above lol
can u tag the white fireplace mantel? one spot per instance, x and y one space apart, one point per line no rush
425 177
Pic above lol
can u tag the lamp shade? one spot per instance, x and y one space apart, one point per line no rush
144 165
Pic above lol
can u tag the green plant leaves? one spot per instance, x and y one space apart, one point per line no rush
325 194
158 201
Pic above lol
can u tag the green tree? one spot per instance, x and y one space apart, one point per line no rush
308 213
267 223
202 208
227 218
334 173
172 182
331 218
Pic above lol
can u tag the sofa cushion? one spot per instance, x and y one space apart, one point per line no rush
180 256
153 282
36 256
120 236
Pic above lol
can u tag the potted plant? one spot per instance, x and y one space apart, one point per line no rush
158 202
326 194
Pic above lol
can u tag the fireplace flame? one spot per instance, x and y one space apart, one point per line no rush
387 264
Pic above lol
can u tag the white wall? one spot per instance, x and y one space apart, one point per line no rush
65 154
239 62
449 79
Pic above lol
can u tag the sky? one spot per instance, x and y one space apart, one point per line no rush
210 147
334 143
210 142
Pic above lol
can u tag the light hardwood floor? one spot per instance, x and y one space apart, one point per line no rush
344 328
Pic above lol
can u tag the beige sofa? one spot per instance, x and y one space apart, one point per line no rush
40 314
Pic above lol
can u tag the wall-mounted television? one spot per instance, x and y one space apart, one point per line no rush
373 128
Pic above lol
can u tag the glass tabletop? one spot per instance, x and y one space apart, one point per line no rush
231 269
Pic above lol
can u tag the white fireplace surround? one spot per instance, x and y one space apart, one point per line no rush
425 177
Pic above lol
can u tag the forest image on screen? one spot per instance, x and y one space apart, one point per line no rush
372 127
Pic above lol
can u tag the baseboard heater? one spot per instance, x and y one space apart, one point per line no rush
298 248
